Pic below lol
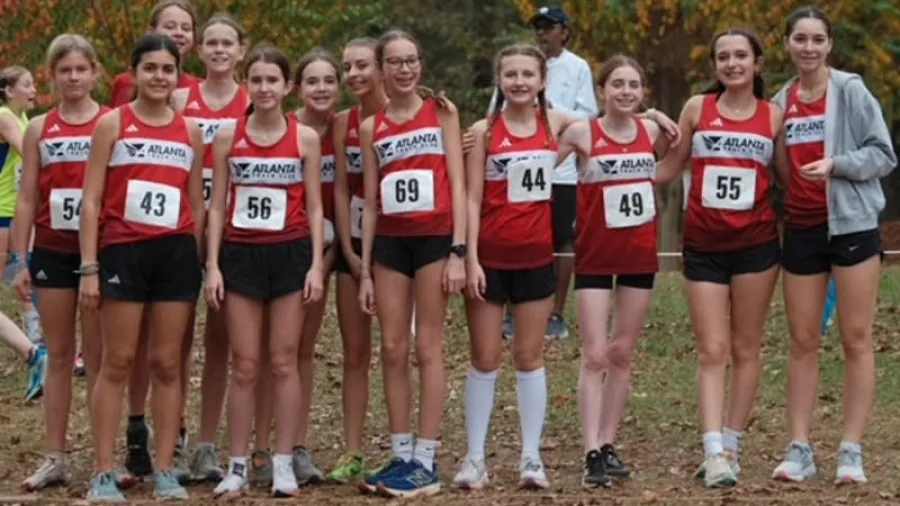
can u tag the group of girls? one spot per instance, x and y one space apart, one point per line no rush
383 194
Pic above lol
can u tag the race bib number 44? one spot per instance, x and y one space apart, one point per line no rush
629 205
527 181
259 208
407 191
729 188
356 214
154 204
65 208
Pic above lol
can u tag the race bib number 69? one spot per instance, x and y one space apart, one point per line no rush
407 191
729 188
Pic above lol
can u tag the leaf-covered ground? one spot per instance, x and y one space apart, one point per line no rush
660 437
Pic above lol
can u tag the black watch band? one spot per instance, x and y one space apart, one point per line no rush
458 250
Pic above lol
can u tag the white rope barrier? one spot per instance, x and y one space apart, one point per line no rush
677 254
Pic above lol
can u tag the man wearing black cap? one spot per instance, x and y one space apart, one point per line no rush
570 88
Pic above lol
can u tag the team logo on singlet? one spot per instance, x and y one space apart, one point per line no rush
258 170
622 166
496 166
354 159
736 145
210 126
804 130
328 168
64 149
152 152
422 141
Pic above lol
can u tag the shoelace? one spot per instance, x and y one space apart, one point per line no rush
47 466
850 457
532 465
795 453
594 463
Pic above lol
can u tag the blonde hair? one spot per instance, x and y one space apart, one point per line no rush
541 58
67 43
10 76
184 5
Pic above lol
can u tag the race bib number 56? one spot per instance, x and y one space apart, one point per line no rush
730 188
407 191
153 204
259 208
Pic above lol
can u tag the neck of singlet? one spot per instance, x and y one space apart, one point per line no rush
218 86
406 105
621 122
139 119
83 106
538 123
272 125
738 121
813 80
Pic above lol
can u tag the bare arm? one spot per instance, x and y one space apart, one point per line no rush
341 184
102 142
28 197
449 118
195 184
658 138
311 147
370 185
577 139
673 164
178 99
475 161
11 132
780 161
218 202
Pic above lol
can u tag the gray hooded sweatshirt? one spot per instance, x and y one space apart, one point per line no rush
858 139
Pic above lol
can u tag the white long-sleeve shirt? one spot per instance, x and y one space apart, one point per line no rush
570 88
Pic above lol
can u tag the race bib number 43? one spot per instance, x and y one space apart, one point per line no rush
730 188
153 204
259 208
629 205
407 191
65 208
527 181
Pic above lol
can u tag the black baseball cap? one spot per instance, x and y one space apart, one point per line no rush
553 14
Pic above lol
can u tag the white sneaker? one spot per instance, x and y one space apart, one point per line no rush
284 483
798 464
53 471
850 467
531 473
234 483
718 472
472 475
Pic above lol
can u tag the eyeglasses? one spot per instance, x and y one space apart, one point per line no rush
396 63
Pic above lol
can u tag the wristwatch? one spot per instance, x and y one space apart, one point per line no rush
458 250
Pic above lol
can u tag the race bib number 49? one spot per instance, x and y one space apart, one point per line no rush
65 208
629 205
407 191
259 208
730 188
527 181
153 204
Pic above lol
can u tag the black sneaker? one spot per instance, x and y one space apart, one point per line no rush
137 458
612 464
594 474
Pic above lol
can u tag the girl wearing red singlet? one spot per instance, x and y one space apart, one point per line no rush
730 240
143 209
270 262
414 216
175 18
837 147
364 80
55 150
510 256
615 249
216 102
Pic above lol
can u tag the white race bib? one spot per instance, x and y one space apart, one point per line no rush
329 233
407 191
356 216
731 188
259 208
207 187
527 181
18 169
629 205
65 208
153 204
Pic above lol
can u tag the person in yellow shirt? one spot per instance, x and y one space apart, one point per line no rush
17 96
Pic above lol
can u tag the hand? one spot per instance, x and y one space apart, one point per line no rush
313 287
215 288
23 285
89 291
668 126
476 284
367 295
454 275
355 263
468 141
817 171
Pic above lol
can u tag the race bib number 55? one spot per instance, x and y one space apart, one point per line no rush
259 208
407 191
730 188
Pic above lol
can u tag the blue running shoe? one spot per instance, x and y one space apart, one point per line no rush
370 483
37 373
413 481
104 489
508 329
557 327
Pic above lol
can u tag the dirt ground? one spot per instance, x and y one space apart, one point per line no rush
659 439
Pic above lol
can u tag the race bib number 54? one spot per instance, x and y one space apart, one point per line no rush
65 208
407 191
730 188
153 204
259 208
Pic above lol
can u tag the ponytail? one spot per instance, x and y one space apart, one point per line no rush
493 114
545 118
426 93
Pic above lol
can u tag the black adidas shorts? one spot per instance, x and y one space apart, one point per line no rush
54 269
156 270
